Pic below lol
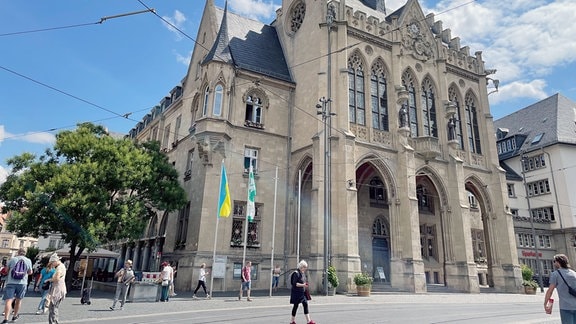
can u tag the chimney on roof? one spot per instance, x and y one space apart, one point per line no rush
378 5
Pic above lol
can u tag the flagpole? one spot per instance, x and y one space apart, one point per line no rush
299 207
249 209
273 232
215 231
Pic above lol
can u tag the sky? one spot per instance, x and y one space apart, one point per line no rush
80 70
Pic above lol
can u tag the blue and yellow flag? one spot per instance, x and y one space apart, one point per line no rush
224 201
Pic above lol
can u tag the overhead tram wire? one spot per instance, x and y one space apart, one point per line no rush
103 19
64 93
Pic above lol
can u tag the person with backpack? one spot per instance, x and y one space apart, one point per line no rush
20 267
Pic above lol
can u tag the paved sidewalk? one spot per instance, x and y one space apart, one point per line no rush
71 311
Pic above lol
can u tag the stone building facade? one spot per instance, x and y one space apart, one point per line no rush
389 108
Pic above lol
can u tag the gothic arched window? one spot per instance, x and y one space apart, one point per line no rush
378 97
429 109
453 96
218 94
408 83
377 193
356 108
472 124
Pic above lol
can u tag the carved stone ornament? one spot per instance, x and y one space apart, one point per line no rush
297 16
415 40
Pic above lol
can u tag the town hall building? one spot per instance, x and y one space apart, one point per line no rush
372 144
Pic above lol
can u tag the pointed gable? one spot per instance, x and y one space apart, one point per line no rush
249 45
220 51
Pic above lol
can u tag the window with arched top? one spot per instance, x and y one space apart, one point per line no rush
253 117
408 83
379 228
453 97
377 193
205 103
428 103
424 199
472 127
356 92
152 227
218 94
378 97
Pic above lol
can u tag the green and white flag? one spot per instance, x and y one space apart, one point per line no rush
251 208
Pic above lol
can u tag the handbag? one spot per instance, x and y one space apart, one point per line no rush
165 282
571 290
307 294
46 285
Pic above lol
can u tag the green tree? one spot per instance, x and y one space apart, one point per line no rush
91 187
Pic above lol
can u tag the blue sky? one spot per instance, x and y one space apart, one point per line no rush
54 79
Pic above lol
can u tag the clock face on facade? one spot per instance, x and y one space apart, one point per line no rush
414 29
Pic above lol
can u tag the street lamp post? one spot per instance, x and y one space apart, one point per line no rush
324 110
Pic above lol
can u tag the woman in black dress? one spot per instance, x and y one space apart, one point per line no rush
298 292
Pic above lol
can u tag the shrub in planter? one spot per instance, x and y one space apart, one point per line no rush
362 279
332 277
527 275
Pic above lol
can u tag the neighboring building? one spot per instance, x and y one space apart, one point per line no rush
10 243
536 147
51 242
416 192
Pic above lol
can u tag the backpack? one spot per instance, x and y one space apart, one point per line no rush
19 270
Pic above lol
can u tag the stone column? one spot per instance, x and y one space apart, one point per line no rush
406 260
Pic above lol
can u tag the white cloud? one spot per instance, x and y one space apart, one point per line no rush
30 137
177 20
525 40
520 89
183 59
39 138
3 174
255 9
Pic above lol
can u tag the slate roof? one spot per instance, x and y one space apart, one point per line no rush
553 117
510 173
249 45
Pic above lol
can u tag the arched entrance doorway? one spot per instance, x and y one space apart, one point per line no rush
380 250
373 185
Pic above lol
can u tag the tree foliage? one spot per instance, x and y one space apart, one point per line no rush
91 187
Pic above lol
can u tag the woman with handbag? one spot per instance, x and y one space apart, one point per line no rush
299 293
564 279
167 275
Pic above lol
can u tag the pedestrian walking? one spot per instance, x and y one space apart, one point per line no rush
276 277
562 278
166 275
57 291
19 268
46 273
172 291
3 274
124 277
298 292
246 281
202 281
